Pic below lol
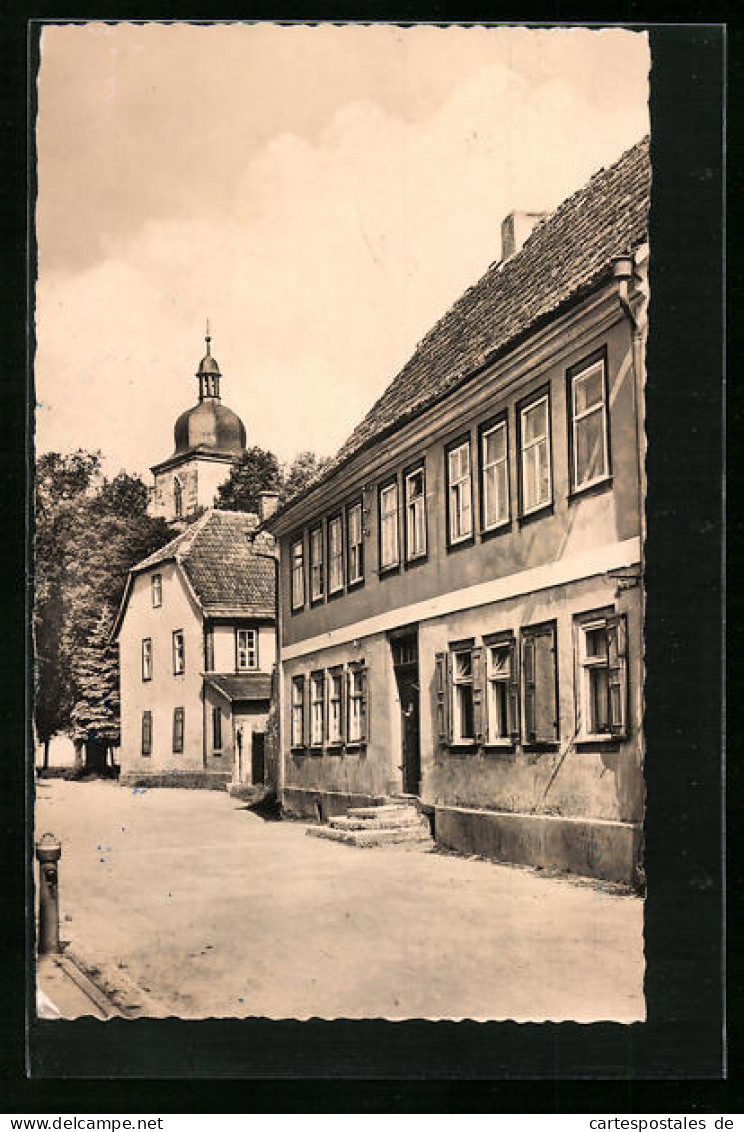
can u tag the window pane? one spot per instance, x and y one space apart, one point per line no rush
596 642
590 447
589 389
464 706
535 422
463 665
494 445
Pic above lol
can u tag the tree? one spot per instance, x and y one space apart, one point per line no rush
62 482
89 532
298 475
94 718
257 470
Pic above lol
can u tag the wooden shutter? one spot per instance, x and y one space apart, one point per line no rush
479 694
342 710
545 709
443 682
617 668
364 708
306 734
528 673
512 693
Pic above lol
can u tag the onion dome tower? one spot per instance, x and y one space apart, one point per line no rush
208 439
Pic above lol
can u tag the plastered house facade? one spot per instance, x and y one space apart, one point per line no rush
197 648
461 598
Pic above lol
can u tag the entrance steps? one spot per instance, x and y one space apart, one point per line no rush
367 826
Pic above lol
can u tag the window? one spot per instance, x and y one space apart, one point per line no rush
588 424
146 734
502 707
463 715
389 539
147 658
157 590
335 555
415 515
459 493
209 649
298 575
355 543
356 679
179 654
316 564
246 649
216 730
178 721
602 692
540 684
335 707
534 428
317 706
177 498
494 476
298 711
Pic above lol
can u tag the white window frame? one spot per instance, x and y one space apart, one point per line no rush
147 665
317 563
179 652
503 678
389 527
459 493
156 589
357 705
335 685
335 560
297 573
297 708
587 665
576 376
246 650
317 709
527 448
415 514
179 732
355 543
460 681
500 466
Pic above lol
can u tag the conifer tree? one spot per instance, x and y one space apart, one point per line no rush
94 719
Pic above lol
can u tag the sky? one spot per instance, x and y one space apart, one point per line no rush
321 194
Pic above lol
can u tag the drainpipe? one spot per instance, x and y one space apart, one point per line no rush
624 272
279 672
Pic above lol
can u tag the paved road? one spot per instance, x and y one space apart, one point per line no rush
189 903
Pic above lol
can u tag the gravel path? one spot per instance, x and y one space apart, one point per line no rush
185 902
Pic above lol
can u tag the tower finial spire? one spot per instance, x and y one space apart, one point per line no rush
208 338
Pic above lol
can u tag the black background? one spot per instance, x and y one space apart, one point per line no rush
673 1061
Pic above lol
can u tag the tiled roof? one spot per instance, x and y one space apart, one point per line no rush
245 686
220 561
565 255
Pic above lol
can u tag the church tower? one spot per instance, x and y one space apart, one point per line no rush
209 438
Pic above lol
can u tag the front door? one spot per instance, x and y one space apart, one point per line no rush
405 663
257 758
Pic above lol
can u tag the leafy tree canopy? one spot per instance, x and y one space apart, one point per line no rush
259 470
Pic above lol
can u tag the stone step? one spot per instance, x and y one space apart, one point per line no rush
378 811
404 820
371 838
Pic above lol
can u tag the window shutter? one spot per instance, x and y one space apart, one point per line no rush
512 694
342 710
528 670
545 707
364 704
305 712
617 667
479 694
443 681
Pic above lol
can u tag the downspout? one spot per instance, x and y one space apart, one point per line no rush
279 673
624 272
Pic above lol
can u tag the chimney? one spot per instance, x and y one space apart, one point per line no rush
268 501
515 228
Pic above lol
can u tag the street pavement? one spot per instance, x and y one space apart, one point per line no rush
185 902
